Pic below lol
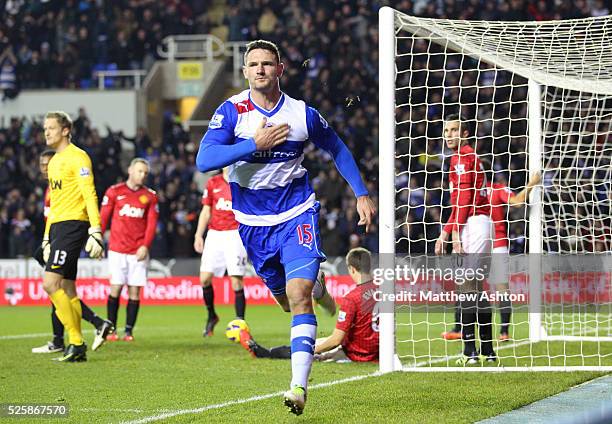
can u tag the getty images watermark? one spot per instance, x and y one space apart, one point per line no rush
558 281
422 284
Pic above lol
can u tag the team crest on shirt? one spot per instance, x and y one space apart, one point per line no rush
216 121
143 199
341 316
84 172
460 168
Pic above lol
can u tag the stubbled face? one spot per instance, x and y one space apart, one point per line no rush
262 70
452 134
54 133
43 164
137 174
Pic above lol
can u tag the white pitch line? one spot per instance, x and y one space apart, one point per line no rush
90 331
242 401
33 335
25 336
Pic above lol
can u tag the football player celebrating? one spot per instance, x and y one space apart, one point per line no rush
261 134
134 211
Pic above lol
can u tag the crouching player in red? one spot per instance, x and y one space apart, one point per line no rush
134 211
355 337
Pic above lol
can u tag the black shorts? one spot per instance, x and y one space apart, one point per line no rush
67 240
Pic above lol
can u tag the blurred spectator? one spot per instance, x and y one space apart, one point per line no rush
599 8
8 69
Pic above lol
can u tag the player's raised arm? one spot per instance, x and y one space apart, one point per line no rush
521 197
324 137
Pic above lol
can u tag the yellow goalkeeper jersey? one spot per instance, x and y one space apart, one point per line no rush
71 187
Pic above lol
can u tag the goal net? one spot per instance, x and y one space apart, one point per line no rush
538 96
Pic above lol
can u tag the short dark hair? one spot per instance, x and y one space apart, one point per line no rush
464 123
264 45
47 153
360 259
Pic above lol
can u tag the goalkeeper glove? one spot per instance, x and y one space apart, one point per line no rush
46 248
95 243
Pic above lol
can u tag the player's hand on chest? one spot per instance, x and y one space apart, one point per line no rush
269 134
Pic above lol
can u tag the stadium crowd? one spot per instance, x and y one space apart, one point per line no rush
330 52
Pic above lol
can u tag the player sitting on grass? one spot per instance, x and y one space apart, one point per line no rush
355 337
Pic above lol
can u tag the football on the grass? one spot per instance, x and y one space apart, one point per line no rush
233 329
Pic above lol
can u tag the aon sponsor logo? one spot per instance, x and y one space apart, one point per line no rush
223 205
131 211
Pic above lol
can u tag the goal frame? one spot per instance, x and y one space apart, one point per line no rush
389 361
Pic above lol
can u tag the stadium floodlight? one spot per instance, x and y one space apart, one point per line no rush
540 96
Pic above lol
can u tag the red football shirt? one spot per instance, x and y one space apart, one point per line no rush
468 188
499 196
218 196
134 217
358 318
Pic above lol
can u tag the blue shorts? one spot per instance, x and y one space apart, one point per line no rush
288 250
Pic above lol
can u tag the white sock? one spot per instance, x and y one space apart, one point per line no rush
303 333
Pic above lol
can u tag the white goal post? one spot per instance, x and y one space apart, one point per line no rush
540 95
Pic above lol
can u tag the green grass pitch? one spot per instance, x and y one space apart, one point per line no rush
171 369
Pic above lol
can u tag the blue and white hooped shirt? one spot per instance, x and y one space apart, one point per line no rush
270 187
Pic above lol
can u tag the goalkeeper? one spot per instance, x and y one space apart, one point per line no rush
73 222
